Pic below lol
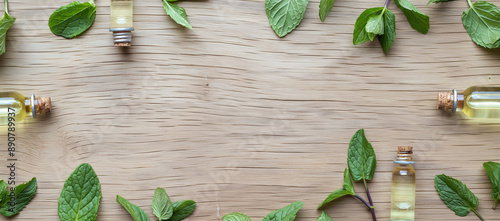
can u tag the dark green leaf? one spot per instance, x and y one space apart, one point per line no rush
71 20
361 157
285 15
287 213
182 209
80 196
3 191
325 6
360 34
493 172
162 206
177 13
236 217
437 1
482 22
389 35
5 22
348 189
324 217
418 20
136 212
22 195
455 195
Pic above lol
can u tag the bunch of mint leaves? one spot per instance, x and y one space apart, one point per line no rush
361 161
287 213
459 198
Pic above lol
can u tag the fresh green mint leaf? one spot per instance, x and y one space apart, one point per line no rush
5 22
361 157
493 172
438 1
389 35
177 13
3 191
136 212
360 34
375 24
324 217
236 217
348 189
287 213
418 20
162 206
285 15
71 20
182 209
455 195
80 196
325 6
482 22
23 193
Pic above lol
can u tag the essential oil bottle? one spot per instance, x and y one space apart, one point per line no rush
474 102
15 107
403 186
122 21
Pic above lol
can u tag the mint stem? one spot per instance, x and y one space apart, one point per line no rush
495 204
6 8
362 200
372 208
470 4
480 217
386 3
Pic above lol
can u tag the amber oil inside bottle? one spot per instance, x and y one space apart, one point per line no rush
17 106
403 186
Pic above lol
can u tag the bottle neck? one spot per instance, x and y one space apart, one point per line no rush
37 106
404 159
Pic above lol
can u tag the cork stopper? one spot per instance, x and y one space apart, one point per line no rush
43 105
123 44
405 148
445 101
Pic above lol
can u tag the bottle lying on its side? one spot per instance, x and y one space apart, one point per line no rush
14 107
475 102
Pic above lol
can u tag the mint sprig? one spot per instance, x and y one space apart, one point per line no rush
456 195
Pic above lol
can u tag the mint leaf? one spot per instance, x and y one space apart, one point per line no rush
325 6
493 172
389 35
285 15
348 189
360 34
361 157
3 191
22 194
456 195
418 20
182 209
5 22
71 20
324 217
80 195
375 25
236 217
177 13
287 213
437 1
136 212
162 206
482 22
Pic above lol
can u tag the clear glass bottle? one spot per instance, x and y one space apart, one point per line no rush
13 104
403 186
474 102
122 21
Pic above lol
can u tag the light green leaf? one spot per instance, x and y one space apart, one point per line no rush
285 15
437 1
324 217
5 22
325 6
236 217
361 157
136 212
389 35
80 196
71 20
22 194
182 209
418 20
287 213
360 34
375 25
482 22
177 13
348 189
455 195
162 206
493 172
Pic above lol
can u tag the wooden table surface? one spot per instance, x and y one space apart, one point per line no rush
238 119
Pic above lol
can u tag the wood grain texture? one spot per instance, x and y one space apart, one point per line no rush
239 120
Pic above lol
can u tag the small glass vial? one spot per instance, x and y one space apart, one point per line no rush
403 186
122 21
474 102
15 105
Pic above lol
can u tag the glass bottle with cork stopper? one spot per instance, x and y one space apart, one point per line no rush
474 102
403 186
122 21
17 106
